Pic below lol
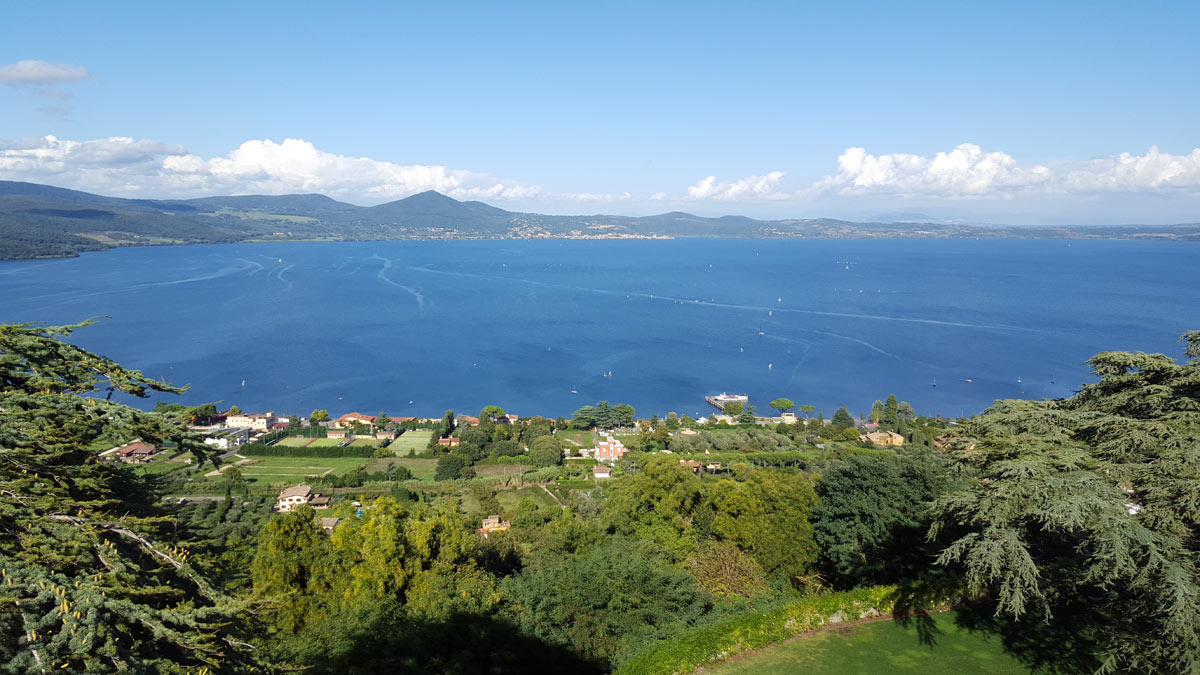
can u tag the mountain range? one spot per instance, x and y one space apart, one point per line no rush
44 221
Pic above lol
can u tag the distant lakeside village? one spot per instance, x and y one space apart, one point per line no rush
317 461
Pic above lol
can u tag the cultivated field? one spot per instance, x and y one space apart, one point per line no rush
410 440
883 646
295 469
576 438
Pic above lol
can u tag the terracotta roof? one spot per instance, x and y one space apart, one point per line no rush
137 448
350 417
295 491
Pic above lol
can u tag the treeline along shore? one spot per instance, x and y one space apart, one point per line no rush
42 221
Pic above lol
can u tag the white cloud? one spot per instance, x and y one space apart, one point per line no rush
658 196
1130 173
40 72
750 187
965 171
147 168
969 172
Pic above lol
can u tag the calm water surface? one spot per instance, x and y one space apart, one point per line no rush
420 327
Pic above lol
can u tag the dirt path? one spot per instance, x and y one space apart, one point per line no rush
243 460
552 496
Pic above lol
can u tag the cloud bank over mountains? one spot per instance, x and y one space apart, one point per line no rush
124 166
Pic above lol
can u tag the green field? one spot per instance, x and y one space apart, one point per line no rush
361 441
295 469
410 440
500 470
576 438
880 647
510 498
422 469
294 441
326 442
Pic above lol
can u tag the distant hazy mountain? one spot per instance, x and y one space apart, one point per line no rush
43 221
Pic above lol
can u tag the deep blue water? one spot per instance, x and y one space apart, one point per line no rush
420 327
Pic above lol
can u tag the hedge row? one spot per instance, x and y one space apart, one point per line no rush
704 645
259 450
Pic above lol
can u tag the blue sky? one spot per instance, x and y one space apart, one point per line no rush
1043 112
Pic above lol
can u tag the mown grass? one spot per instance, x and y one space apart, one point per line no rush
880 647
295 469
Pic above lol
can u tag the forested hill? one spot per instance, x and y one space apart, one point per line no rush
46 221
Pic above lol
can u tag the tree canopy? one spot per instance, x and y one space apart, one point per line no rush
1084 510
92 581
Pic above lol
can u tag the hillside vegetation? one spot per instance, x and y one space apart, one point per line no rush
44 221
1063 529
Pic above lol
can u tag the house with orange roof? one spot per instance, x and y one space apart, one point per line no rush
349 419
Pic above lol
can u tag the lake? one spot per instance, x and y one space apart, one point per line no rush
416 328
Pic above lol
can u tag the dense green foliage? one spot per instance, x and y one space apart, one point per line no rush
1068 525
872 518
91 578
1081 514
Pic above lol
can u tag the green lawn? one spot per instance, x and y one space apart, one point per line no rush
295 469
158 466
880 647
509 498
410 440
361 441
421 468
576 438
294 441
326 442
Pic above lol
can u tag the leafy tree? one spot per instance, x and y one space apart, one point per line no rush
1080 514
782 404
491 413
546 451
660 503
233 410
905 412
876 414
449 467
842 418
382 421
733 408
318 416
891 413
203 413
92 580
619 595
806 409
723 569
872 518
748 415
767 515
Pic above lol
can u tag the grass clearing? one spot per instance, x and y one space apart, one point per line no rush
295 469
360 442
576 437
882 646
510 498
410 440
421 468
294 441
326 442
500 470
